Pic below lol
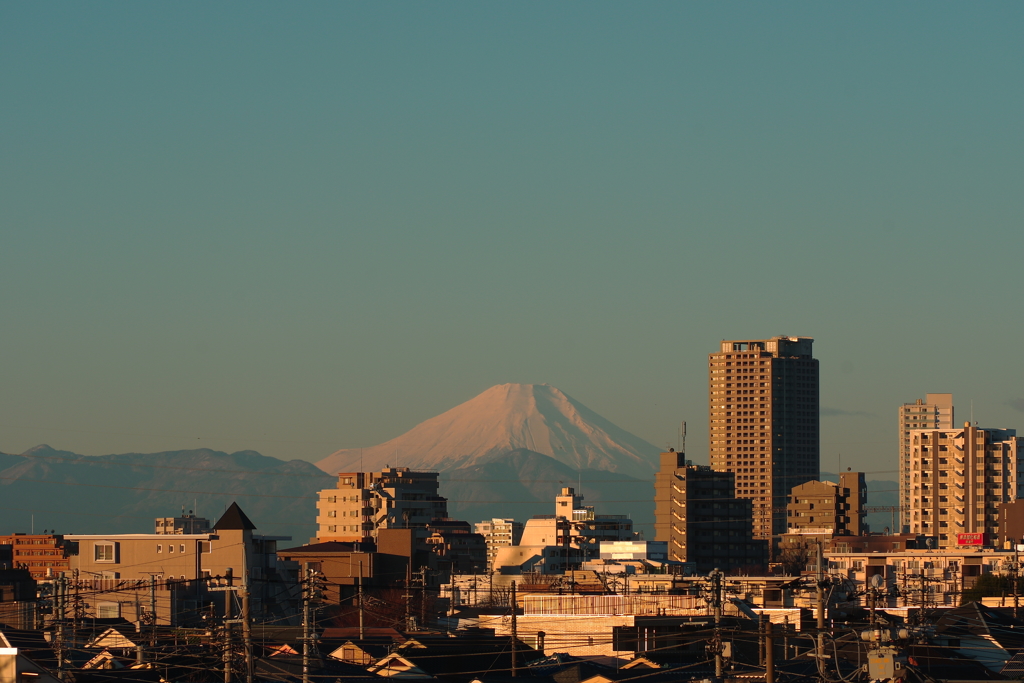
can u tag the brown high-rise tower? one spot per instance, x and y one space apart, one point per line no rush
764 422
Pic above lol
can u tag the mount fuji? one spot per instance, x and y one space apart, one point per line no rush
505 418
506 453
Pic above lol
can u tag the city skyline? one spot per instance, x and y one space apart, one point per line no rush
297 230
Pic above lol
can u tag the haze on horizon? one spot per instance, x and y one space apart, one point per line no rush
298 229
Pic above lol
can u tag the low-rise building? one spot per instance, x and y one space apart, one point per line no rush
825 509
499 533
458 548
924 578
43 555
187 523
364 502
168 577
346 566
698 515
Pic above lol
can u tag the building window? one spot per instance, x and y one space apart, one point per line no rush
108 610
170 547
103 552
159 548
181 548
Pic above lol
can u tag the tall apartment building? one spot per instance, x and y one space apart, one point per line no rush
959 478
697 513
498 533
934 412
363 502
764 422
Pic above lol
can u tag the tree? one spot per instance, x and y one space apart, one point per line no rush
991 586
794 558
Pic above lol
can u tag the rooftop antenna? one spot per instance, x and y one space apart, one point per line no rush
681 445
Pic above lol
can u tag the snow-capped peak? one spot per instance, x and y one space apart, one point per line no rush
538 417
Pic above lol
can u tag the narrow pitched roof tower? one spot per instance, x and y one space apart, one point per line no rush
234 519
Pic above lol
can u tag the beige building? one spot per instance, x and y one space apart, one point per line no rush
498 533
764 422
134 576
188 523
363 502
702 521
958 479
928 578
825 509
935 411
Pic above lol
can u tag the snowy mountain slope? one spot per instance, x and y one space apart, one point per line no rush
536 417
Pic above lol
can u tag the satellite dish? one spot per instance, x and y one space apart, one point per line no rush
929 543
877 581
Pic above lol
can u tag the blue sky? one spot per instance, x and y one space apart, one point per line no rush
297 228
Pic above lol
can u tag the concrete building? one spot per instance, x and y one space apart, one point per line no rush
1011 522
634 550
133 576
576 525
698 515
928 578
457 547
764 422
43 555
552 544
363 502
347 565
823 509
188 523
935 411
958 480
499 533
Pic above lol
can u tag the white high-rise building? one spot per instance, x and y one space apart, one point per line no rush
934 412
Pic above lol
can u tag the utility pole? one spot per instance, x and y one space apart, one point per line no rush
246 625
307 590
716 603
152 608
769 651
362 633
423 597
408 595
228 599
76 609
61 596
1016 569
515 632
820 577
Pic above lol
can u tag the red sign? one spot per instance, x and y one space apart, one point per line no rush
970 539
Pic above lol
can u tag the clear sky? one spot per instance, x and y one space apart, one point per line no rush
297 227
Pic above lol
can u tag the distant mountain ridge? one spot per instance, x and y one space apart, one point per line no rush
124 493
505 418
